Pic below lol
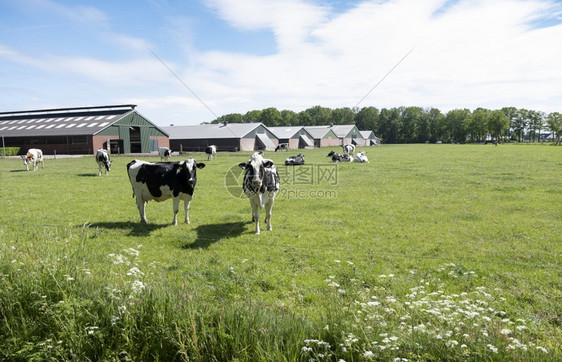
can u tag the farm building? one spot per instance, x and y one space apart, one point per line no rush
296 137
370 138
323 136
226 136
82 130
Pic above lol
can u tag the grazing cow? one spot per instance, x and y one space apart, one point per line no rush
164 153
336 157
361 157
282 146
161 181
295 160
348 149
261 184
33 156
211 152
102 158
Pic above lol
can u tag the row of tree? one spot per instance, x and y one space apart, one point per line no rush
417 124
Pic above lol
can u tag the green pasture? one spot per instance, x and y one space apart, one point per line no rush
428 252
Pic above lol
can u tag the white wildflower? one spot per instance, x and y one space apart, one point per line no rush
368 354
505 331
542 349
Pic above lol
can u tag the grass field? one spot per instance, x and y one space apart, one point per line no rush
428 252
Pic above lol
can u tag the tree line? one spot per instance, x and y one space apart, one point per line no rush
417 124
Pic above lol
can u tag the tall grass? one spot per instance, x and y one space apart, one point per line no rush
428 252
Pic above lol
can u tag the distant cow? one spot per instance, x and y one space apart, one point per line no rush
161 181
361 157
102 158
261 184
336 157
282 146
295 160
211 152
33 156
164 153
348 149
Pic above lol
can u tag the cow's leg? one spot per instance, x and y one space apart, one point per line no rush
176 201
35 165
255 202
268 207
141 206
99 167
186 207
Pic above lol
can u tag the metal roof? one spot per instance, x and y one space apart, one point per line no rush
62 121
202 131
340 130
318 131
285 132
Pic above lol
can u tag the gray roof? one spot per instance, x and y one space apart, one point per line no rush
367 134
62 121
202 131
340 130
286 132
317 131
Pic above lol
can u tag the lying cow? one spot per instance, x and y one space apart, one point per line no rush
33 157
261 184
211 152
295 160
102 158
348 149
161 181
336 157
282 146
361 157
164 153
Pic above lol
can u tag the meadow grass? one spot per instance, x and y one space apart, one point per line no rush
429 252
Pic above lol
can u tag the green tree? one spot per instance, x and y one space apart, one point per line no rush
343 116
511 114
456 125
519 123
251 116
497 123
536 123
270 117
437 129
367 119
229 118
290 118
554 122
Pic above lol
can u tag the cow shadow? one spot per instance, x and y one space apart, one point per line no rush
19 171
211 233
135 229
87 175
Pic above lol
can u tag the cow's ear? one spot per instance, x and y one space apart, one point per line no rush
200 165
242 165
267 163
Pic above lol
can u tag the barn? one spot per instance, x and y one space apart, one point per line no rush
82 130
370 138
226 136
323 136
296 137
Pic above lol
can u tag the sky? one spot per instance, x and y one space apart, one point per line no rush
190 61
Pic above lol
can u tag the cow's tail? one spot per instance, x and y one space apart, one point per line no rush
129 174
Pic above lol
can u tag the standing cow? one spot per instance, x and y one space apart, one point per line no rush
282 146
211 152
33 157
261 184
161 181
348 149
164 153
102 158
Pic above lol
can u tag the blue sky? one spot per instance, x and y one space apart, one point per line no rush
241 55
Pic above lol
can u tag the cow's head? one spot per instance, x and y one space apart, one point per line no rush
330 154
255 169
189 168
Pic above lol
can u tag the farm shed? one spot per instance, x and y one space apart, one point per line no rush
370 138
226 136
323 136
296 137
82 130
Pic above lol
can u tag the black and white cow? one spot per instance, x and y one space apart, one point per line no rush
348 149
211 152
282 146
295 160
336 157
261 184
33 157
161 181
361 157
164 153
102 158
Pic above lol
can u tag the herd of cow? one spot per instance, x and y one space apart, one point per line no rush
163 180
